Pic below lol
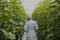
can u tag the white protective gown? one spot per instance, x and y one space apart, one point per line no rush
30 29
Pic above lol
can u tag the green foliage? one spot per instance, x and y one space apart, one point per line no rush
4 35
12 17
47 15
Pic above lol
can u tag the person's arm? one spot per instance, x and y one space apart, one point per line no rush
36 26
25 27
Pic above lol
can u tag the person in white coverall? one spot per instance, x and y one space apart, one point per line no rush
30 28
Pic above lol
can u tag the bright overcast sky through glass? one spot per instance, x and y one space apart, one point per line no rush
29 5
